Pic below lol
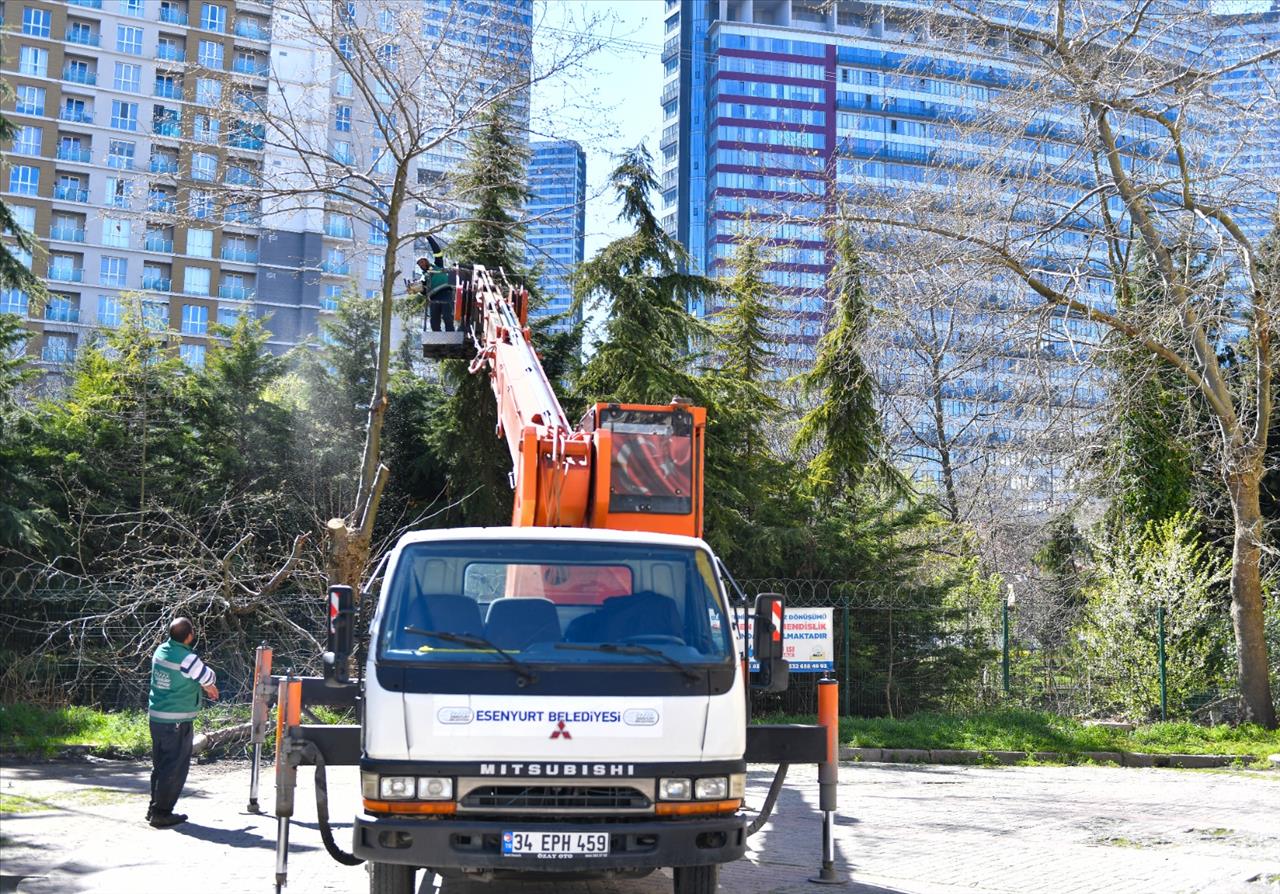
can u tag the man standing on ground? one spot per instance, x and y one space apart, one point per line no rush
177 678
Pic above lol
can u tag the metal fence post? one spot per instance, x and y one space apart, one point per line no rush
1004 658
1164 689
847 692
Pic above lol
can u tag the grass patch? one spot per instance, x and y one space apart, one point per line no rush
22 804
1021 730
45 732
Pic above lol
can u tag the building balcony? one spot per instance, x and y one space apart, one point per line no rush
77 76
66 274
74 153
120 162
252 31
75 116
172 16
85 40
338 231
162 206
235 293
237 216
61 313
165 91
157 284
66 233
170 54
27 108
253 69
336 269
242 255
240 177
158 243
87 4
161 165
57 354
70 193
166 129
245 141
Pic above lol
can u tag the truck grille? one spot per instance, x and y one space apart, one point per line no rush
555 797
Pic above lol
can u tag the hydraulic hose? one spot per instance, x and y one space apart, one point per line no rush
769 800
322 810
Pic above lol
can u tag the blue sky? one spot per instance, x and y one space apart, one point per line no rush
609 105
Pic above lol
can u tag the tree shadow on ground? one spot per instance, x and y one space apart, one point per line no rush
241 838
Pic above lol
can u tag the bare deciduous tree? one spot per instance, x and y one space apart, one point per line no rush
1103 126
413 85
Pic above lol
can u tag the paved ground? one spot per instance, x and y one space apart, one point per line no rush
903 830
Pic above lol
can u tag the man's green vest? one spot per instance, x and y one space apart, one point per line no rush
175 697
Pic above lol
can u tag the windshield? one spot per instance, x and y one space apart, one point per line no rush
542 601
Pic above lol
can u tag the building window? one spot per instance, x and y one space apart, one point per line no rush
129 39
30 100
344 47
386 21
192 355
24 216
195 317
342 119
29 140
77 71
374 265
24 180
210 54
36 22
208 91
203 166
155 315
128 77
213 18
119 192
195 281
200 243
115 232
58 349
113 271
201 203
131 7
342 152
206 129
344 85
124 115
120 154
14 301
33 61
108 310
228 317
169 48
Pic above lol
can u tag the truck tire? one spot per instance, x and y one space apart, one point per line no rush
391 878
696 879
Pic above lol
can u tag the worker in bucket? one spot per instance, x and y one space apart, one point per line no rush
178 677
436 287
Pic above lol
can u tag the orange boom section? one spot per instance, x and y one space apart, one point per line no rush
627 467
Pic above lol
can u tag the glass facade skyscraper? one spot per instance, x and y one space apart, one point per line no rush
557 222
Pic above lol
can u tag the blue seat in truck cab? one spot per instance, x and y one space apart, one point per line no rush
446 612
516 623
640 614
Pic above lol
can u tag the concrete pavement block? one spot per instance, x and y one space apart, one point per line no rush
1006 758
1102 757
904 756
954 756
1199 761
861 754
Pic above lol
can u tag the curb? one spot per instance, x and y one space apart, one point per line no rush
1008 758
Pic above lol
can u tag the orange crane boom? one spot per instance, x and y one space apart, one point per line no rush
629 467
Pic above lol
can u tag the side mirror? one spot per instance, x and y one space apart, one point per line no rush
341 636
767 643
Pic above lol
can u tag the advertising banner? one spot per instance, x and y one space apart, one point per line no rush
808 639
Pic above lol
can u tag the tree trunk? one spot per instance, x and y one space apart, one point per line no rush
348 553
1246 598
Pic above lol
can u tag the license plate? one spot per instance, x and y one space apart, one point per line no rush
555 845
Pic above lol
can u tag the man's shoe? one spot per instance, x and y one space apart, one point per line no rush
167 820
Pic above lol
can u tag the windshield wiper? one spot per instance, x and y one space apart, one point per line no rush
525 672
632 649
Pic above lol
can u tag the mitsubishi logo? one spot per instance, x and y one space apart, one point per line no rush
560 731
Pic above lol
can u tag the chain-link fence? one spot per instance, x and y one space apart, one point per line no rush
61 642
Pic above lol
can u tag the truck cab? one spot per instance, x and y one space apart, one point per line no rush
543 701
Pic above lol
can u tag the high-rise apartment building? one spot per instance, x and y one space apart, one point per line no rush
557 222
127 129
772 109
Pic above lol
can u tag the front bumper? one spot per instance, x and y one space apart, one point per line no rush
453 843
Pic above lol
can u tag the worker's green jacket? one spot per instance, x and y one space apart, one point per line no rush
177 676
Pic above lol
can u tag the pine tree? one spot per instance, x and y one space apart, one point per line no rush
13 273
491 183
844 422
641 278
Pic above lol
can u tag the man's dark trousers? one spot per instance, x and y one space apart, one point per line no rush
170 760
441 310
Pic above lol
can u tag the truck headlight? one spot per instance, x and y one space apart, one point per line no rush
435 788
675 789
396 788
715 788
